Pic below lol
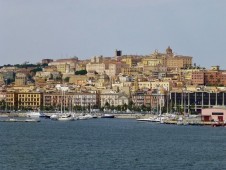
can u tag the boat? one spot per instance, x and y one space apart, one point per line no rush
107 116
150 119
33 114
217 123
21 120
32 120
62 116
54 116
84 117
180 121
94 116
42 115
65 117
143 120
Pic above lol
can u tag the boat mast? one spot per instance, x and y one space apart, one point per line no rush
64 100
61 104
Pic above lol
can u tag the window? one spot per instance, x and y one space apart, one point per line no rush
217 113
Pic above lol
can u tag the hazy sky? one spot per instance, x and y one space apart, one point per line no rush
31 30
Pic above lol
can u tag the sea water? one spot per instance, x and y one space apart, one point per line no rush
110 144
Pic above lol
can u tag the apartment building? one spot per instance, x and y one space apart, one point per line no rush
197 78
152 99
131 60
65 65
166 85
113 98
67 100
24 100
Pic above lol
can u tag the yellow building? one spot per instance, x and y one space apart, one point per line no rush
131 60
144 85
2 79
78 79
21 101
11 100
113 98
29 101
50 68
24 88
132 70
20 79
150 61
179 62
65 65
168 59
103 81
161 84
115 68
63 68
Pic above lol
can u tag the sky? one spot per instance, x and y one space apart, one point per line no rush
31 30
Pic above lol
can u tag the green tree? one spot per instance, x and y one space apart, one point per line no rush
107 105
130 105
66 79
81 72
36 70
3 104
124 107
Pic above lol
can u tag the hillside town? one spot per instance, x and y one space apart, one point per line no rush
161 82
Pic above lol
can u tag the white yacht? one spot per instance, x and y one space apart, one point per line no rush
33 114
150 119
85 117
54 116
65 117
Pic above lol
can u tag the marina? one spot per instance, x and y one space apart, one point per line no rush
169 119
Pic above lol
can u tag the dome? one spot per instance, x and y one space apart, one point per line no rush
169 50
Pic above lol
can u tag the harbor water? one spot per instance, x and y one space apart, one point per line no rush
110 144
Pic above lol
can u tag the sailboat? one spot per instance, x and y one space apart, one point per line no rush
63 116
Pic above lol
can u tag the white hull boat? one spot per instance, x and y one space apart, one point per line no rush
33 114
65 118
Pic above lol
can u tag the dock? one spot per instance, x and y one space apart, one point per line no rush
19 120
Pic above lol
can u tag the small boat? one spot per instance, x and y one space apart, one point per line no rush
65 118
107 116
33 114
42 115
150 119
54 116
94 116
32 120
85 117
180 123
21 120
217 123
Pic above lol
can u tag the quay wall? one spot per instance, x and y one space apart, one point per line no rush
132 116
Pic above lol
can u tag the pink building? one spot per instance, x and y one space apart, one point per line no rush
214 114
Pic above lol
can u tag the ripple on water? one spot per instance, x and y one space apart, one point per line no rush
110 144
